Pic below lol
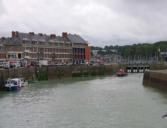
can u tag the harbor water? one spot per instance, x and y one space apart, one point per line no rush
95 102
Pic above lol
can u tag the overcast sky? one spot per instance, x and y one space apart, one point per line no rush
100 22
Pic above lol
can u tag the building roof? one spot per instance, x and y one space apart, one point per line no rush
10 41
76 39
20 36
42 37
1 42
13 42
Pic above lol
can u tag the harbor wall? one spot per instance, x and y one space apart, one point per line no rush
157 79
55 72
160 66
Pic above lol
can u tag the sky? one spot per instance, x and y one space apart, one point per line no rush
100 22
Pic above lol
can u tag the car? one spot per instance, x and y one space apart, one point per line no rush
4 65
52 65
29 65
59 64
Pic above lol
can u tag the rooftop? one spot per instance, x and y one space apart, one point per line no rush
18 37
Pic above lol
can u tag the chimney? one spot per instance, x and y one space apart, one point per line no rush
13 34
52 36
64 34
31 33
40 34
16 34
3 38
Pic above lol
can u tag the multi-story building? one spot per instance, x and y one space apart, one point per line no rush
31 47
80 49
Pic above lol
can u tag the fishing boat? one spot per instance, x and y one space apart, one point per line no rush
13 84
121 73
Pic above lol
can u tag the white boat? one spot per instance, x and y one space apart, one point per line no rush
13 84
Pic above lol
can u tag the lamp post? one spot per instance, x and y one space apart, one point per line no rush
158 53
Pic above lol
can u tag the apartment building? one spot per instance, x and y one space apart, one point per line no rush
80 49
31 47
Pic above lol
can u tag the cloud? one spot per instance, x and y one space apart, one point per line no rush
102 22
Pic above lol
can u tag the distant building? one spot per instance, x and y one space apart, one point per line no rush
163 55
114 50
112 58
94 52
31 47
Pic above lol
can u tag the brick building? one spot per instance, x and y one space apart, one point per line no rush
31 47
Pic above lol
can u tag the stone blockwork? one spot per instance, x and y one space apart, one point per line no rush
156 79
54 72
160 66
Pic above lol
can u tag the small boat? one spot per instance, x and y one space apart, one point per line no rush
13 84
121 73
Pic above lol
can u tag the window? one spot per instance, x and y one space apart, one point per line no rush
19 55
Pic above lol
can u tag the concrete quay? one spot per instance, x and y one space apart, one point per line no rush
47 73
155 78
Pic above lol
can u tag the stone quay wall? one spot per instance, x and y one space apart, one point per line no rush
156 78
54 72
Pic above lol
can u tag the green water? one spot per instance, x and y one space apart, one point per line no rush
99 102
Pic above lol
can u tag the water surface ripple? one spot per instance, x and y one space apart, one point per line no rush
101 102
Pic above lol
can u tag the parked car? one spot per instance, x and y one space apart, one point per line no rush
43 63
88 63
14 64
4 65
52 65
29 65
59 64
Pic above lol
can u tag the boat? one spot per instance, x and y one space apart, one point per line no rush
121 73
13 84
